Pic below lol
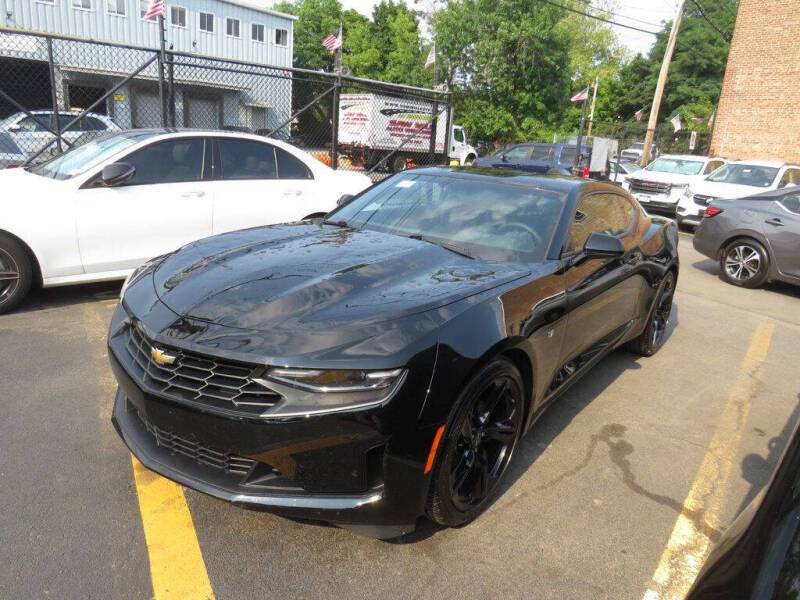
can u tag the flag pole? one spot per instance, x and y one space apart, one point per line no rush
580 130
591 112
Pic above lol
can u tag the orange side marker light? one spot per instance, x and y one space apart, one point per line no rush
432 454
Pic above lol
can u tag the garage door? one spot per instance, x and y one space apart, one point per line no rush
146 108
202 112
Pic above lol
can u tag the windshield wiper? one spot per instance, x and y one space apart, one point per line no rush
447 246
339 223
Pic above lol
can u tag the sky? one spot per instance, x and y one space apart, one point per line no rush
644 14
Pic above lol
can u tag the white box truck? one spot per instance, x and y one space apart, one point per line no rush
372 127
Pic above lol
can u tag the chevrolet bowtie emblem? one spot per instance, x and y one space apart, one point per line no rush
161 357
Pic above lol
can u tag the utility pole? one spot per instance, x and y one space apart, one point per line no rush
662 79
591 112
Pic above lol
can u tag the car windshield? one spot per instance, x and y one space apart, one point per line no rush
679 166
78 160
487 219
637 146
742 174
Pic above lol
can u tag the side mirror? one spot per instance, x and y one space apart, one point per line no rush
344 199
602 245
116 174
14 129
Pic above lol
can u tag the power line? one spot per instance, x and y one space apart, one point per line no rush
619 16
725 36
609 21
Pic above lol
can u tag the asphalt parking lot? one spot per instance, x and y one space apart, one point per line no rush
618 492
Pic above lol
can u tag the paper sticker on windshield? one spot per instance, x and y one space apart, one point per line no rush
406 183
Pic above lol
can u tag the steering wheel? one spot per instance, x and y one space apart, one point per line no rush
537 239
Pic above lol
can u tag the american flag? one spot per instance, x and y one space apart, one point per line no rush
676 122
638 114
333 42
580 96
156 8
431 60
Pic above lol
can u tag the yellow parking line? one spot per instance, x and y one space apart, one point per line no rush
689 542
177 568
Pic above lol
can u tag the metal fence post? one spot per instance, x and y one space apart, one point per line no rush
53 95
434 119
448 134
161 63
335 123
171 87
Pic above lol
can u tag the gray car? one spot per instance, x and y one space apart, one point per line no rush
11 155
755 239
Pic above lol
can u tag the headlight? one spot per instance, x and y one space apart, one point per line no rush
140 272
316 391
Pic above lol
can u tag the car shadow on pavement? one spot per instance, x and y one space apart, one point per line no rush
553 422
58 297
712 267
756 469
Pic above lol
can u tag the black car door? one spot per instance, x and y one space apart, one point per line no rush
602 294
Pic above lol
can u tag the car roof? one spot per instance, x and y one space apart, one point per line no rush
71 113
763 163
558 183
697 157
773 194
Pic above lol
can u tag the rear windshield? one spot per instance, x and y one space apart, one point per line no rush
678 166
741 174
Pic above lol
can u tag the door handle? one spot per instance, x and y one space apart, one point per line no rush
292 192
774 221
193 195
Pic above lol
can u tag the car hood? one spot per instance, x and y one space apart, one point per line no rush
673 178
312 277
724 190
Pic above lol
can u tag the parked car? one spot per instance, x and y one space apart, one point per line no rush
536 158
96 212
635 150
31 132
755 239
620 171
659 186
11 155
736 179
382 364
758 556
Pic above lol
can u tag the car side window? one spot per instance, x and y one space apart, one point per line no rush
458 135
92 124
290 167
712 165
544 153
64 120
30 125
790 177
517 153
602 213
791 203
170 161
247 159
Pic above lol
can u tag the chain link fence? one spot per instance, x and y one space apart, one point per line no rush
58 92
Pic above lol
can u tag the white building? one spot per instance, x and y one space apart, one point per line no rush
207 93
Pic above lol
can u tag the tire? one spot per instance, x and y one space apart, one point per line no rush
398 163
652 338
16 273
479 442
470 161
744 263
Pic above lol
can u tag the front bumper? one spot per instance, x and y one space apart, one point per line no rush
657 203
362 470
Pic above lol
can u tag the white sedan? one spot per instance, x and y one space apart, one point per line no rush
100 210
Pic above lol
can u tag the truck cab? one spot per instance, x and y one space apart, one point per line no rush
460 148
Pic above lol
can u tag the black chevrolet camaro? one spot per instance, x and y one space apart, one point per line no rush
382 364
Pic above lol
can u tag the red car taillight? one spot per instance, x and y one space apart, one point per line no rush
12 166
712 211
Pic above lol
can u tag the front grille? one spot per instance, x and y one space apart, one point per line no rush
702 200
650 187
197 378
230 463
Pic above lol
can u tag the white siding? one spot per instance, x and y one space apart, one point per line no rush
61 18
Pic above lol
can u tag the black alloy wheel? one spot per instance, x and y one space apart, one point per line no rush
15 273
652 338
745 263
479 444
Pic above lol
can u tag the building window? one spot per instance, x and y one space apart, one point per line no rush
258 32
282 37
115 7
143 6
82 4
177 16
232 27
207 22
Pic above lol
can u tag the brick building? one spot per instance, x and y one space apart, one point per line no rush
758 116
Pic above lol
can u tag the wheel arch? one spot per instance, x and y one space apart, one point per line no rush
37 269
